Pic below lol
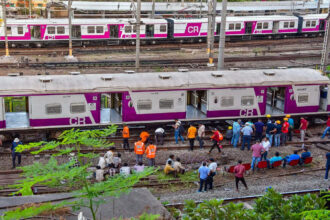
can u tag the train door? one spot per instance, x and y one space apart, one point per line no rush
17 112
114 31
218 28
76 31
248 27
150 30
322 25
323 98
111 111
1 113
196 104
276 26
35 32
275 100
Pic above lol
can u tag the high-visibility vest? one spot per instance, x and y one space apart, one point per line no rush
144 136
139 147
125 132
151 151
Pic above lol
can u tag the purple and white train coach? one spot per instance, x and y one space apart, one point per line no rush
79 100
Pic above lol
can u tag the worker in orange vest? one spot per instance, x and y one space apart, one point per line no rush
151 154
125 137
144 137
191 135
139 149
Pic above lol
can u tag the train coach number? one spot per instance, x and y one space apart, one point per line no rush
246 112
77 121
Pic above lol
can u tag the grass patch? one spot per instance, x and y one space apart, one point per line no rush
189 176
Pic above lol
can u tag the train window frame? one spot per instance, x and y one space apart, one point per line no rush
90 29
247 97
51 30
9 30
265 25
292 23
238 26
163 28
53 105
60 30
301 98
286 24
259 25
313 24
231 26
73 105
99 29
223 98
171 106
20 30
145 102
128 29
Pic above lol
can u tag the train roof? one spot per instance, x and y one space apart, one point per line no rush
52 84
315 16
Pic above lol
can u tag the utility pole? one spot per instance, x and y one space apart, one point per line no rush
209 23
211 32
30 8
4 18
153 9
138 21
326 45
318 6
70 27
222 39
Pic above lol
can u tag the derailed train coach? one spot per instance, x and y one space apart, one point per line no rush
88 100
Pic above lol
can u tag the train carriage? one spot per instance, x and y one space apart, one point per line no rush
79 100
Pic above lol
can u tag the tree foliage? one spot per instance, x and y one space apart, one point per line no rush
66 176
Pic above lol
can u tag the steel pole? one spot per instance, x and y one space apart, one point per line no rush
4 18
70 27
138 21
222 40
213 17
153 9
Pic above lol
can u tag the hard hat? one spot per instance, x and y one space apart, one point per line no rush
285 119
230 127
288 116
278 122
268 116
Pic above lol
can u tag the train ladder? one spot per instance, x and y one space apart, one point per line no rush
325 49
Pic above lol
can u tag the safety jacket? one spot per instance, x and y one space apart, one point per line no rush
151 151
125 132
144 136
139 148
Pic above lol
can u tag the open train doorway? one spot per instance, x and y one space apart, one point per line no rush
196 104
17 112
114 31
248 27
150 30
111 108
76 31
35 32
275 100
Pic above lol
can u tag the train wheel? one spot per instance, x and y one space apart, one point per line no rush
153 42
38 45
133 43
305 35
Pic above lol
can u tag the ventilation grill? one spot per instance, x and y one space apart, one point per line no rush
217 74
107 78
45 79
165 76
269 73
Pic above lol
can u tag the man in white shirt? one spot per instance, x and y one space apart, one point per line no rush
201 135
178 166
213 169
102 164
247 134
99 174
108 156
125 170
117 161
266 144
159 136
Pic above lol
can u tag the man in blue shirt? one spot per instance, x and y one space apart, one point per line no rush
236 132
304 155
277 157
291 127
247 133
270 131
15 154
259 126
290 158
203 173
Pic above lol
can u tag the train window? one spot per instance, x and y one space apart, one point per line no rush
91 29
247 100
20 30
227 101
313 23
77 108
308 23
286 24
128 29
166 103
259 25
51 30
162 28
99 29
134 28
8 30
238 26
144 104
53 109
303 98
265 25
291 24
60 30
231 26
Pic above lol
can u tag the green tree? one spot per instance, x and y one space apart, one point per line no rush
67 176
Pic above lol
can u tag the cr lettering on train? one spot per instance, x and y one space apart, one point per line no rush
77 121
246 112
193 29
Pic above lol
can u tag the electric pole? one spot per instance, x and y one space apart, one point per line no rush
153 9
318 6
70 27
222 39
30 8
326 45
4 20
211 32
138 21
